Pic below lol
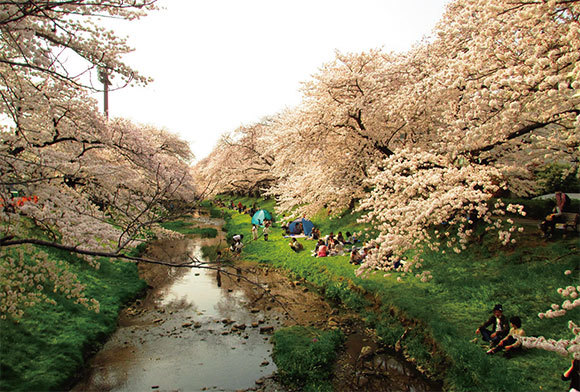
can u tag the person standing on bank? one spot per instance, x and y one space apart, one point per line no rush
254 232
499 327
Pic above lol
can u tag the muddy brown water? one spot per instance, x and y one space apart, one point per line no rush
203 330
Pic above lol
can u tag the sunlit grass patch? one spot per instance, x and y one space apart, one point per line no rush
443 313
186 228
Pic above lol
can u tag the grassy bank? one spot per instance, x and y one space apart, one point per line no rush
44 350
305 356
440 316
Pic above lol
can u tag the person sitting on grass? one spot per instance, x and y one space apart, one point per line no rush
322 250
511 342
339 248
499 327
330 244
315 234
355 257
295 245
351 238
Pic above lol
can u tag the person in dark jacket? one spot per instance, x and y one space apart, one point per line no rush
573 374
499 326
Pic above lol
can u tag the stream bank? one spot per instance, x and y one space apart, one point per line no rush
203 329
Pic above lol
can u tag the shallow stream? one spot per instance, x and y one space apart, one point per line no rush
203 330
188 334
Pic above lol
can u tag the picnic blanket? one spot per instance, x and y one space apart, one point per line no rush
295 236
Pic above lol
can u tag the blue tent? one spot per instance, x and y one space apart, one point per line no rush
260 216
307 226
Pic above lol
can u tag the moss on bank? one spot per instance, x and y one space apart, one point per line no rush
44 350
440 316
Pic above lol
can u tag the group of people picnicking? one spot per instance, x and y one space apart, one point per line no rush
332 245
501 333
241 208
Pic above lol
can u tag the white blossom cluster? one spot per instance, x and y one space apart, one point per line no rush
90 183
425 139
562 346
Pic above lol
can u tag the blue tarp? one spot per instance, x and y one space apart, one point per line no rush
307 226
260 216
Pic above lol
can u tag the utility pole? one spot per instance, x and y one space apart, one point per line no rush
104 78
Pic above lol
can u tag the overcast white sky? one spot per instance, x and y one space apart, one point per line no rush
219 64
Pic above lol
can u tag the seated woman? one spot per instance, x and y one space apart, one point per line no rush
351 238
315 234
295 245
510 343
338 248
548 225
322 250
328 238
339 237
330 243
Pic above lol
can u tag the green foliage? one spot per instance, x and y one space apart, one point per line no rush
440 316
214 212
305 356
185 228
552 178
48 345
209 252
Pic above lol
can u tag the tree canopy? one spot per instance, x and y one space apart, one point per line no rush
71 178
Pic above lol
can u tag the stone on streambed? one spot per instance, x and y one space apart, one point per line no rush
267 329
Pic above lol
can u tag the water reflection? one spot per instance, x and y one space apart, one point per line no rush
181 342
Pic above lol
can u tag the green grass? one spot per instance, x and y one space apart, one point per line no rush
440 316
48 345
304 356
185 228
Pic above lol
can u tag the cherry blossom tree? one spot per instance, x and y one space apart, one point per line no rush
328 143
85 184
240 163
502 80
